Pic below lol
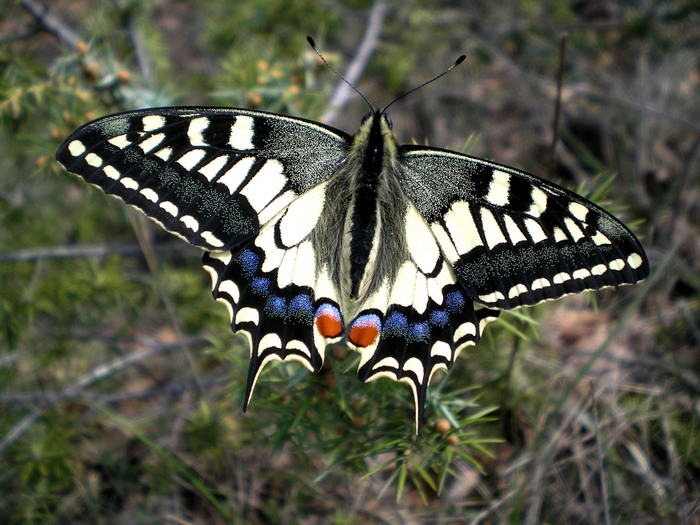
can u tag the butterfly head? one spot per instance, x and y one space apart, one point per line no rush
377 114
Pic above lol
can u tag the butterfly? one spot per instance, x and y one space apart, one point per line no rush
313 236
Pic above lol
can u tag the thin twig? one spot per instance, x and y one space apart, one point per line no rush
161 390
676 470
603 477
83 251
143 59
344 92
643 107
506 401
98 373
557 108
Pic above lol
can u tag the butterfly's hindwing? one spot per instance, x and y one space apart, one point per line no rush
419 319
277 296
213 176
514 239
411 345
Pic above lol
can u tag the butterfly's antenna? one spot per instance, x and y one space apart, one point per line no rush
457 62
341 77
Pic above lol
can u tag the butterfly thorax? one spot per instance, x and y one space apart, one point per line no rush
363 227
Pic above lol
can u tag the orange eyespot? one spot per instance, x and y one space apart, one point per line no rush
365 330
328 325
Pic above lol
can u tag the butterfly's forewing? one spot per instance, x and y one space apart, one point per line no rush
513 239
213 176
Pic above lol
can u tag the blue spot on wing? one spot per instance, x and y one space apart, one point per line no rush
330 310
395 324
301 307
439 317
276 306
301 302
260 285
454 301
250 262
419 331
367 320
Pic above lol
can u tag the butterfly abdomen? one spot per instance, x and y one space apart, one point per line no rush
362 216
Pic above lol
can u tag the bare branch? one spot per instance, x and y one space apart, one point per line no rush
557 108
343 92
83 250
143 59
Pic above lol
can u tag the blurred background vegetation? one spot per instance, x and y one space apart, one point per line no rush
121 384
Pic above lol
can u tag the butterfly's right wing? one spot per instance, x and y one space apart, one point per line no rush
213 176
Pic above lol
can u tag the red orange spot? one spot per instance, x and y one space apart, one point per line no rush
363 334
328 325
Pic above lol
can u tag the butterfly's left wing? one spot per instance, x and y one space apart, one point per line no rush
514 239
246 185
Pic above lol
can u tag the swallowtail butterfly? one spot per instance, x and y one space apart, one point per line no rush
312 236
